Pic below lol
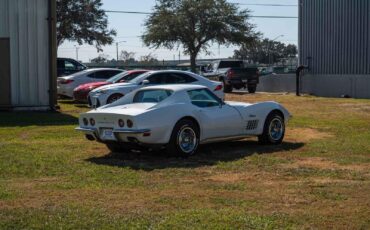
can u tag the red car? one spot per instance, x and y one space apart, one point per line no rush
81 92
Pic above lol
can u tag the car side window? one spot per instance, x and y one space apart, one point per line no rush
203 98
156 79
177 78
69 65
104 74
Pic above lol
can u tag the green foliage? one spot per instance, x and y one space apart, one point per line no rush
83 21
195 24
265 51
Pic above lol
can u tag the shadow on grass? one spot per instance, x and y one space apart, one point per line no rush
207 155
28 118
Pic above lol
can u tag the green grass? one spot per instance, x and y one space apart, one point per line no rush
51 177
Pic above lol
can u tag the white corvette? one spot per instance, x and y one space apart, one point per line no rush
110 93
179 118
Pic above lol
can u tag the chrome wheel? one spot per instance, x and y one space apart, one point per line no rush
276 129
187 140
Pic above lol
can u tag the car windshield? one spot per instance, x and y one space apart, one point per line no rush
138 79
151 96
117 77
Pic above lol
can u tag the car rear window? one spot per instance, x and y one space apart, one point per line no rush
151 96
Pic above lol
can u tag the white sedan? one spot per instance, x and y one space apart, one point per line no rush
179 118
66 85
110 93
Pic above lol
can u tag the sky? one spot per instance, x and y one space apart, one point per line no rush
130 26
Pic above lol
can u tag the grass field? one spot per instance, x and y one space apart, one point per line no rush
51 177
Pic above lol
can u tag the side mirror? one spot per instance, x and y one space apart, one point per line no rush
145 82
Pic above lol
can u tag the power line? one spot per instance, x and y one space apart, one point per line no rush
265 4
147 13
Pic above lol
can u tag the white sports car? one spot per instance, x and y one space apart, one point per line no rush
110 93
179 118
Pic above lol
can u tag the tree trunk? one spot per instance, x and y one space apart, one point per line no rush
193 63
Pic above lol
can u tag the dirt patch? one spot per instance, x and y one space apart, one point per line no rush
305 134
227 177
357 106
322 163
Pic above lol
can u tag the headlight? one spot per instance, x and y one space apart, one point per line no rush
101 91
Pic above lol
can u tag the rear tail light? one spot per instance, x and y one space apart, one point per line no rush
121 123
92 121
218 87
130 123
85 121
65 82
230 74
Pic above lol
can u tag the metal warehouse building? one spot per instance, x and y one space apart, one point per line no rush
334 38
27 54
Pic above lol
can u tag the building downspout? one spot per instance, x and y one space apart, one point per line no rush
52 54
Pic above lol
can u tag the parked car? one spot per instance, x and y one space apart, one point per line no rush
68 66
179 118
233 74
81 92
108 94
66 85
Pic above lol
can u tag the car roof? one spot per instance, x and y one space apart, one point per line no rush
176 87
138 70
97 69
170 71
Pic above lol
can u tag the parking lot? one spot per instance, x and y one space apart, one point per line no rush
318 178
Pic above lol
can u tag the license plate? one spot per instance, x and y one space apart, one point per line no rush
107 134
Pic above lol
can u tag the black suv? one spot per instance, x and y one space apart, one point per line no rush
68 66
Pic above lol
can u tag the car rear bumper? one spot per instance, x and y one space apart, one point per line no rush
121 135
240 81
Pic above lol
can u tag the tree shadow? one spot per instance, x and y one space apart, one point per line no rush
207 155
39 118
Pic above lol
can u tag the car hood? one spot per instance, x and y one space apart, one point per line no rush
93 84
115 86
129 109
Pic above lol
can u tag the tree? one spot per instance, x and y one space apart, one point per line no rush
83 21
127 57
148 59
265 51
102 58
195 24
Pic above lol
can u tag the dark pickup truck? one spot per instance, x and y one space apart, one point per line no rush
234 75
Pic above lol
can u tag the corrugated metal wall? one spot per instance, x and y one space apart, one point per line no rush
25 23
334 36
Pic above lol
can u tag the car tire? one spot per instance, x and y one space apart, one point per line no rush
114 97
227 88
252 89
117 148
184 139
273 129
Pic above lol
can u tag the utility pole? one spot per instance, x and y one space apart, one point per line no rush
117 48
179 56
77 48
